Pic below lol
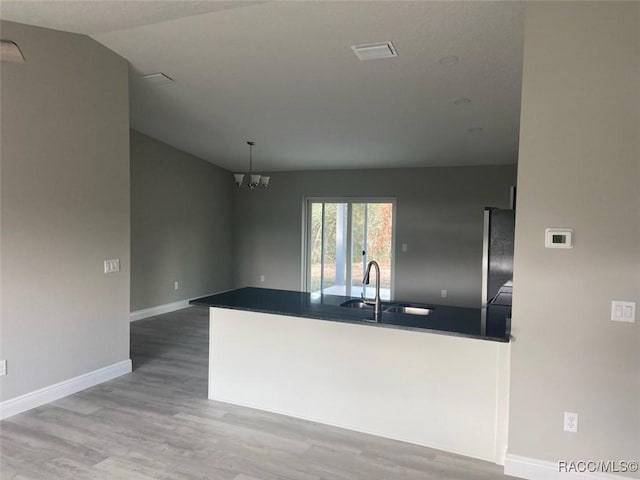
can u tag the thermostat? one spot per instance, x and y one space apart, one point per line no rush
558 238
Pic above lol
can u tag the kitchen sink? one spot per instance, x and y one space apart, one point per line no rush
408 309
356 304
389 307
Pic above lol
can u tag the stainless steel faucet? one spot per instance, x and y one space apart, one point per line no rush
377 309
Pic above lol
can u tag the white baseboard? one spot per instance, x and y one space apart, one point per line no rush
534 469
166 308
159 310
34 399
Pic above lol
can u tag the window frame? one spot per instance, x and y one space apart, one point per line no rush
306 234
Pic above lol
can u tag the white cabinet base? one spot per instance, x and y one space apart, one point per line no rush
440 391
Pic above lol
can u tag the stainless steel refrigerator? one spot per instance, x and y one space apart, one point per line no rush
497 258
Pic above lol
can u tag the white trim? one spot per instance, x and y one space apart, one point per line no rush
347 199
306 234
166 308
159 310
303 246
394 224
503 388
534 469
34 399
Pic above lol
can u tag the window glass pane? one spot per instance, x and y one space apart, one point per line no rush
329 270
315 247
335 247
358 248
379 239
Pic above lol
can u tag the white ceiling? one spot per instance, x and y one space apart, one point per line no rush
100 16
283 74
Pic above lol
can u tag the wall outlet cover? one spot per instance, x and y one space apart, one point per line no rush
570 422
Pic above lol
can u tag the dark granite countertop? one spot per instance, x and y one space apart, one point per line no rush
447 320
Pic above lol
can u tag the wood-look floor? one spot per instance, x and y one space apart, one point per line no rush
157 424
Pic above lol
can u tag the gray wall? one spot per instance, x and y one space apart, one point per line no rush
579 167
439 217
180 224
65 209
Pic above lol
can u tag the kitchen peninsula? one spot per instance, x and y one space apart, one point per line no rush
439 380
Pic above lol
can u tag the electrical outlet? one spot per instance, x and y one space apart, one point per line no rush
443 293
3 367
404 247
175 285
261 278
570 422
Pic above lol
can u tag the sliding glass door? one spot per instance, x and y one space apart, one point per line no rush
342 237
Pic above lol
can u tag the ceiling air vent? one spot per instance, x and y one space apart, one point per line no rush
157 79
375 51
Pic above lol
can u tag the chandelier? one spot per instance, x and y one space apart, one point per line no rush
255 179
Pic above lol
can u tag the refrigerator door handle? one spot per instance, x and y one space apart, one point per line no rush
485 256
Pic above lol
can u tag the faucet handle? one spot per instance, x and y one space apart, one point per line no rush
365 300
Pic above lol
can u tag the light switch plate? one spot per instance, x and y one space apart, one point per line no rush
112 266
3 367
623 311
